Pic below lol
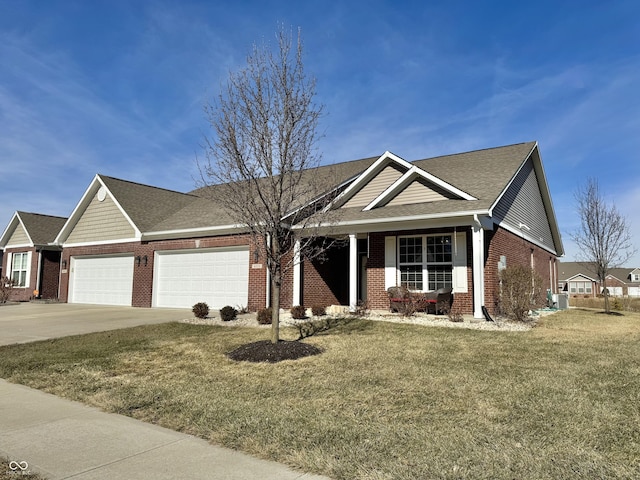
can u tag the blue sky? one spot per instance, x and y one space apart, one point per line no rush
117 87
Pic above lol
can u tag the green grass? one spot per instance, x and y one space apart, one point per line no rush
385 401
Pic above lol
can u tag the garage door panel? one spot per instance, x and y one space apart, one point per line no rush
101 280
218 277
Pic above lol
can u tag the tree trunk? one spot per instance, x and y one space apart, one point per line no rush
275 307
276 283
605 292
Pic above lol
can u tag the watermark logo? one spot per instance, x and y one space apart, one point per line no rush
18 468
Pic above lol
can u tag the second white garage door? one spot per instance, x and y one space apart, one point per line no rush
218 277
101 280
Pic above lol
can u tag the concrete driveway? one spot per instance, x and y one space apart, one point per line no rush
29 322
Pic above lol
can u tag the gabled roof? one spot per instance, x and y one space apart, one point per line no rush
41 230
580 275
482 175
467 185
568 270
406 174
142 205
622 273
334 175
475 182
145 205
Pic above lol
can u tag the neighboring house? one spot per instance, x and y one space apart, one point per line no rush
452 221
30 257
579 279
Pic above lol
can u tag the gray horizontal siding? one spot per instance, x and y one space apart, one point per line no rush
522 203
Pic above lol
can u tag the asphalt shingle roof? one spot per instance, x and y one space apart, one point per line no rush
484 174
567 270
42 229
147 205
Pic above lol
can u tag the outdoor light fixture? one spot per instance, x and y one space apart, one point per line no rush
64 264
145 260
256 256
138 260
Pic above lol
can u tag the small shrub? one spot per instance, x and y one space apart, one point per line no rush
453 312
200 310
298 312
362 309
318 311
6 285
264 316
521 291
228 313
616 304
411 304
242 309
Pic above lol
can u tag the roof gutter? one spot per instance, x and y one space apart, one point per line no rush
373 221
194 232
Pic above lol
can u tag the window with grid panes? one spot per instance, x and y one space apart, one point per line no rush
436 266
19 269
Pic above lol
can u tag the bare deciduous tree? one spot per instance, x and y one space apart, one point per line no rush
262 157
604 237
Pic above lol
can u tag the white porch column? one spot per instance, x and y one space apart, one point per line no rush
353 272
296 273
477 237
39 274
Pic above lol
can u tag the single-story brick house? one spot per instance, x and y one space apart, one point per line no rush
450 221
579 279
30 256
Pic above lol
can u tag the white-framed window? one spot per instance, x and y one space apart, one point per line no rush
19 269
580 287
636 277
425 262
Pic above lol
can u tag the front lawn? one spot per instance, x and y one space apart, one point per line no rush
384 401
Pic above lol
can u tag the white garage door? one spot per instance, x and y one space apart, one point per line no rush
613 291
634 291
101 280
218 277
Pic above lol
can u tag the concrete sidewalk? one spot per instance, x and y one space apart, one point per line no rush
62 439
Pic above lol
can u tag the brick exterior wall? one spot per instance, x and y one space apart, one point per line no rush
517 251
498 242
377 294
142 294
50 270
326 282
22 294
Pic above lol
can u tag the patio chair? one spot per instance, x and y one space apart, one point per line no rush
398 297
439 301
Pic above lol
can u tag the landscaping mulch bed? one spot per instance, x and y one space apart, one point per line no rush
266 351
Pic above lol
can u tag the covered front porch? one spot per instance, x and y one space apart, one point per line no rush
364 265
